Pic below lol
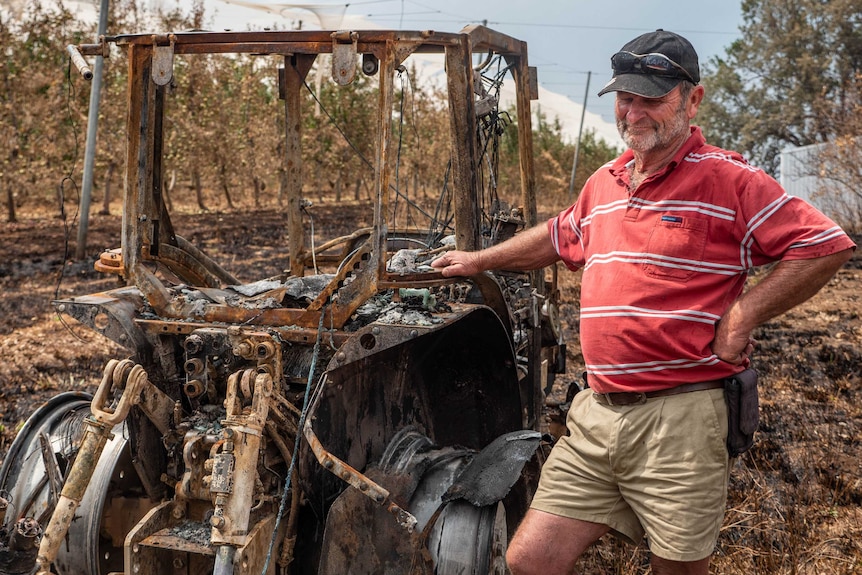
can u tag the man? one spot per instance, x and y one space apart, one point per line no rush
666 235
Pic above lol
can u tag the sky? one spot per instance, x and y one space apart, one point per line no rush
569 41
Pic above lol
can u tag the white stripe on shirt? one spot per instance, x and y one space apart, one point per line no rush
633 311
650 366
666 261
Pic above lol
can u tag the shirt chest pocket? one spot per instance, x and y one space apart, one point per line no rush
675 248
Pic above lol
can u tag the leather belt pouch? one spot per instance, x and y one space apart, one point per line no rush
743 411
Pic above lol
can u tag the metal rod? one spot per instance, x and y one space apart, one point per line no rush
90 148
578 145
79 62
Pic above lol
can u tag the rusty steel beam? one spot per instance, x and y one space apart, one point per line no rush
523 94
462 128
283 41
388 64
138 156
486 39
296 68
363 483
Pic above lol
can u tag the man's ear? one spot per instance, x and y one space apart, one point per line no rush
694 100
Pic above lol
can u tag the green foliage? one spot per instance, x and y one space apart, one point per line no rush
554 157
790 80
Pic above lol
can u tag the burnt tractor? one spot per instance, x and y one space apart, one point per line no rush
357 413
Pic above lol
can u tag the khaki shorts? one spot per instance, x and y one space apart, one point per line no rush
659 468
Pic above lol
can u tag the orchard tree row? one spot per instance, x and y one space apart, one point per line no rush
225 139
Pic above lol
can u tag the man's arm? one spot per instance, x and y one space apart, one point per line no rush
529 250
787 285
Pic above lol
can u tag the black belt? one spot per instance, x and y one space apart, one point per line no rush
633 398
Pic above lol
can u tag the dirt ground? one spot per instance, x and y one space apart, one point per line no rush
794 505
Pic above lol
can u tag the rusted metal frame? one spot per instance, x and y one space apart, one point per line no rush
356 479
484 39
370 267
350 475
417 280
186 267
523 94
462 128
225 277
100 49
292 334
284 41
243 430
227 314
375 338
296 67
117 310
318 251
382 157
162 228
138 156
138 201
363 278
157 295
367 264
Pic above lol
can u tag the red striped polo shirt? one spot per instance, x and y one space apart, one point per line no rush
663 264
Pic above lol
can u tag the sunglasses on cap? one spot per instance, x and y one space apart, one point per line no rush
652 63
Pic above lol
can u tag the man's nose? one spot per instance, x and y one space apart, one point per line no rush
634 110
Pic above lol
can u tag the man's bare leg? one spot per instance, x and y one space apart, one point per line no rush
667 567
547 544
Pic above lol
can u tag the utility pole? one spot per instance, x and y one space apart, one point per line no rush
578 145
90 149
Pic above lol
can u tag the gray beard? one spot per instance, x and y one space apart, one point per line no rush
661 137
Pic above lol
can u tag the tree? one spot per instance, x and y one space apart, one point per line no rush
790 80
553 158
38 118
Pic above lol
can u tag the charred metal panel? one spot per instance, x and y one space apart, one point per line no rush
456 386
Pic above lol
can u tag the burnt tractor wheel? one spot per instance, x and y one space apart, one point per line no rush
461 537
32 477
451 536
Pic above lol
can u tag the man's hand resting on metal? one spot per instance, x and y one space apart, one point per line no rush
457 263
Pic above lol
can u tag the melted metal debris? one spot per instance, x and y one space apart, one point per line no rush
308 287
263 294
374 306
256 288
194 532
266 303
208 418
198 308
405 262
396 313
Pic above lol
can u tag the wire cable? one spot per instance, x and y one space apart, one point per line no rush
294 456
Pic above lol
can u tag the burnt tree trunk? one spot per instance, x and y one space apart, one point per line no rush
199 193
11 216
258 188
224 185
106 201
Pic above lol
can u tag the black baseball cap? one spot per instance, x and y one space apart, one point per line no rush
639 68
